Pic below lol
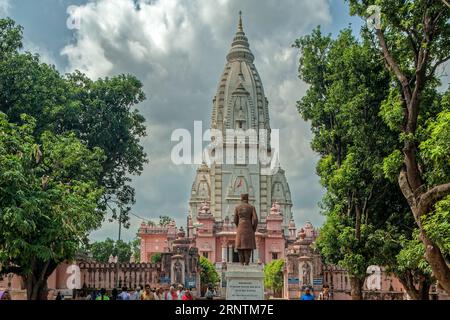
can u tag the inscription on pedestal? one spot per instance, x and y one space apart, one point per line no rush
244 282
245 289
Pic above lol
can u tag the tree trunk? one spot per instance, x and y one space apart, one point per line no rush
356 285
36 282
421 204
36 289
417 289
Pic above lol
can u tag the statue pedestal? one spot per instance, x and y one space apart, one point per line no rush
244 282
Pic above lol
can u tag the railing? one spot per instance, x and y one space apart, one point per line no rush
131 275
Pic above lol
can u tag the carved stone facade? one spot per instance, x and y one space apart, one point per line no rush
240 104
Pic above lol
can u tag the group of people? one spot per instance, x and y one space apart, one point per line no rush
325 294
143 293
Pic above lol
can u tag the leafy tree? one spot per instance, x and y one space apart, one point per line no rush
97 117
208 274
165 220
273 276
414 41
102 250
49 193
157 257
100 113
136 249
347 85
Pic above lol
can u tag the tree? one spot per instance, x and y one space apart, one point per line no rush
156 258
347 86
136 249
49 193
102 250
100 113
273 276
97 117
414 41
208 274
164 221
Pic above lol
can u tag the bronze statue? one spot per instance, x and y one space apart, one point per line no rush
246 221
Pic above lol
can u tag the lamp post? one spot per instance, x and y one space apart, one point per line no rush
117 251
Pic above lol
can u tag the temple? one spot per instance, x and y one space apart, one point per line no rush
239 105
170 255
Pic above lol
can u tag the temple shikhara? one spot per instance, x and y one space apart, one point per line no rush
239 104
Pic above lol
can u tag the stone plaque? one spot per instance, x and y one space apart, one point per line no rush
245 289
244 282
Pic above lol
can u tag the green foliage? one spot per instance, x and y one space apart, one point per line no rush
102 250
100 113
392 165
346 103
48 195
417 38
411 256
273 275
208 274
156 258
68 146
437 225
136 249
435 150
10 37
392 110
164 221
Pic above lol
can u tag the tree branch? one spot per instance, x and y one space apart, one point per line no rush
394 66
406 189
429 198
437 64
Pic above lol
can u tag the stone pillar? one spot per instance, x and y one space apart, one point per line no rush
256 255
224 253
256 251
230 253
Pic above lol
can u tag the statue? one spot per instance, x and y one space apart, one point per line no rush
306 274
246 221
177 271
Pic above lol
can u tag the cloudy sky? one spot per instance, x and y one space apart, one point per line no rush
177 48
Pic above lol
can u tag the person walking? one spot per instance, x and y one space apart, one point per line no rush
147 294
159 294
6 295
180 292
187 295
102 295
325 294
210 292
124 295
172 294
307 295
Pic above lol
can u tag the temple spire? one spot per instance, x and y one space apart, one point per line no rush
240 48
240 28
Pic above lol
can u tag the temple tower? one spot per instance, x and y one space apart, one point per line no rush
240 105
